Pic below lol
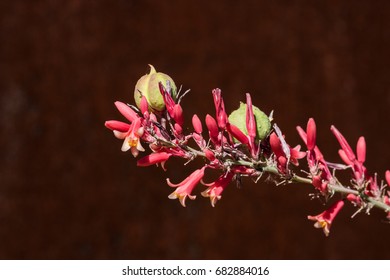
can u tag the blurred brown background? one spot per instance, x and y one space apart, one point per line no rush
68 192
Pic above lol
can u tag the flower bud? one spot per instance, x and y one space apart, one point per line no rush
148 86
263 124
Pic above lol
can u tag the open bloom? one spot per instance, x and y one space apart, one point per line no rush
131 133
325 219
185 188
216 188
293 154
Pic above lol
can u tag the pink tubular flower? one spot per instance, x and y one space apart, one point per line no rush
126 111
131 133
154 158
117 126
237 133
388 177
251 124
281 158
354 199
209 154
144 106
132 138
343 143
348 156
168 100
178 114
315 159
213 128
197 124
185 188
325 219
219 108
311 131
216 188
361 149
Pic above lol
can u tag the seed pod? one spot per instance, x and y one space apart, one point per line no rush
263 124
148 86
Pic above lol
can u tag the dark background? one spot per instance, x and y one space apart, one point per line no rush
68 192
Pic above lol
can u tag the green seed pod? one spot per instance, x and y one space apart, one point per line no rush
148 86
263 124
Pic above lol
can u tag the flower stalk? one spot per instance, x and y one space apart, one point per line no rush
245 144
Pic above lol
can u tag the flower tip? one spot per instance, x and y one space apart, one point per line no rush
197 124
311 132
126 111
302 133
361 150
388 177
212 126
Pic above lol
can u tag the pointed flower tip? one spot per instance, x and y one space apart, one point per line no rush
276 145
144 105
126 111
237 133
117 125
197 124
302 134
361 150
388 177
221 115
343 143
178 114
153 159
250 118
212 126
311 132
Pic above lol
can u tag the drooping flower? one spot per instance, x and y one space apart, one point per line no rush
216 188
185 188
154 158
325 219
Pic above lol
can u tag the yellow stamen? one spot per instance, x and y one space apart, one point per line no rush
133 142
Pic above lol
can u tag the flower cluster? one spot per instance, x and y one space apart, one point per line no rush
242 144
